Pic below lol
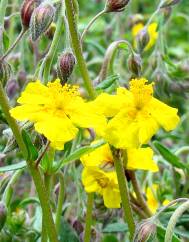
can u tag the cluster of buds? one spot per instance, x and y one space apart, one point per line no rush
27 9
5 72
135 64
116 5
41 19
65 66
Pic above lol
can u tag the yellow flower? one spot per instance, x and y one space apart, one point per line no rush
137 115
152 201
152 31
151 198
56 111
104 183
137 159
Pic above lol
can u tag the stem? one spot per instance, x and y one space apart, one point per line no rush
23 31
139 194
124 192
77 48
110 54
45 68
88 223
12 122
91 23
173 220
39 184
60 201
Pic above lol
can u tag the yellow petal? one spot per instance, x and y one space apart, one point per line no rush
57 130
35 93
151 198
111 198
98 157
165 116
141 159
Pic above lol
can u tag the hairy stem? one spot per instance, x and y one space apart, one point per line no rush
88 223
91 23
23 31
124 192
74 35
139 194
35 173
60 201
173 220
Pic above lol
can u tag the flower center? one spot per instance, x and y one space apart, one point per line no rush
141 91
103 182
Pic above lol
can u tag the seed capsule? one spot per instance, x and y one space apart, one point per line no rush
42 18
5 72
27 10
65 67
116 5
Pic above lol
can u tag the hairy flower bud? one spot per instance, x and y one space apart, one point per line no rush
3 214
116 5
169 3
142 39
145 231
65 66
27 9
135 64
41 19
5 72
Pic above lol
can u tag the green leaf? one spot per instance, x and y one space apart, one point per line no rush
13 167
67 233
115 228
78 153
6 41
110 238
169 156
107 83
32 151
29 200
161 234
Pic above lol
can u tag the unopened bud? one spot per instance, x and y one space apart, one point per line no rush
169 3
27 9
142 39
50 31
42 18
5 72
135 64
145 231
116 5
65 67
3 215
166 13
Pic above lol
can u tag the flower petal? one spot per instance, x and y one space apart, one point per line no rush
111 198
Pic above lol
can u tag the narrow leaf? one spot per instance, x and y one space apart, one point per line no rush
13 167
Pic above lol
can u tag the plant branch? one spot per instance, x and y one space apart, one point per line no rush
88 223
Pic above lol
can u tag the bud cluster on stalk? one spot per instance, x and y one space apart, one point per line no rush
116 5
41 19
27 9
65 66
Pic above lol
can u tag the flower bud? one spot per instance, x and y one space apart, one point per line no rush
65 66
5 72
12 88
116 5
166 13
135 64
50 31
142 39
42 18
27 9
169 3
145 231
3 215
